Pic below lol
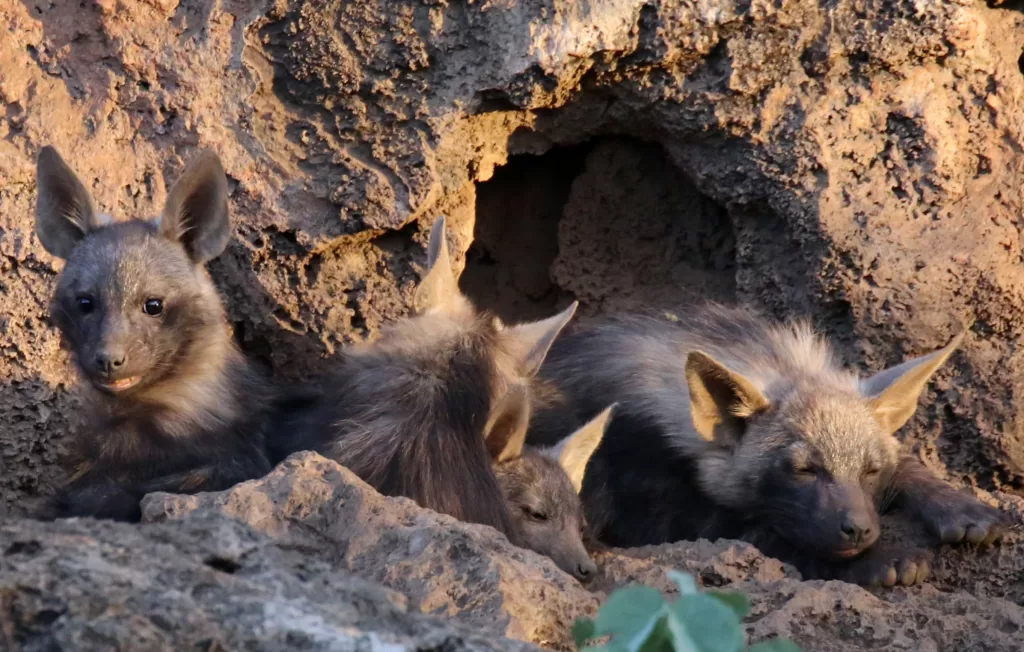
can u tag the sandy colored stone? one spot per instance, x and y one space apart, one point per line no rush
469 573
857 162
202 585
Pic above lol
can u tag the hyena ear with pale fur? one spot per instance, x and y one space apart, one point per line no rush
574 452
894 392
720 400
505 432
439 289
64 208
196 212
531 342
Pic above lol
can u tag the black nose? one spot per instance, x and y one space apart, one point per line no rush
585 570
108 361
856 530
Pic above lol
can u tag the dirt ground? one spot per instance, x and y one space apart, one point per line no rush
858 162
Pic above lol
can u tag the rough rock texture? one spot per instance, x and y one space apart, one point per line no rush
444 567
858 161
471 574
828 616
200 585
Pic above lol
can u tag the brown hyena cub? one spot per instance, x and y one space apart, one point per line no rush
425 410
172 404
729 426
542 485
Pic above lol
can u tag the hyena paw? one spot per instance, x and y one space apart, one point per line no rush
886 566
961 518
102 501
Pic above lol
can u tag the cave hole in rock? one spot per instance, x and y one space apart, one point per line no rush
611 222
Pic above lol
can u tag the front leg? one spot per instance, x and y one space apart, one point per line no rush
103 500
878 566
219 476
950 515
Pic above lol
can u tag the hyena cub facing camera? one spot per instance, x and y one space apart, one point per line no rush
729 426
172 404
437 405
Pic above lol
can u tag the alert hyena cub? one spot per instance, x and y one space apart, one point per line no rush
728 426
425 411
172 404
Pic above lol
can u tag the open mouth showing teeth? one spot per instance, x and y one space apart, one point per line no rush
118 385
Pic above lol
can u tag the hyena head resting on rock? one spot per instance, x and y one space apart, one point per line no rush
542 485
731 426
169 395
424 411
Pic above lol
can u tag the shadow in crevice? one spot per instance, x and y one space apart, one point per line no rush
610 222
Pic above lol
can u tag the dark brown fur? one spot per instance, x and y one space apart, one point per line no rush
426 411
172 404
730 426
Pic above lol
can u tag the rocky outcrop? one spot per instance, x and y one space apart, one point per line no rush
856 161
295 558
202 585
469 573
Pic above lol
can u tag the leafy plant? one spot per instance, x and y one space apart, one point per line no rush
638 619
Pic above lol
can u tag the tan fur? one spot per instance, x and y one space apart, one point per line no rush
803 395
574 452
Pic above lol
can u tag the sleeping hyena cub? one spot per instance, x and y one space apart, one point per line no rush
172 404
729 426
436 410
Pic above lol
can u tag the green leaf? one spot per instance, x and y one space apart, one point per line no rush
659 640
629 616
582 631
681 639
775 645
687 585
738 602
705 624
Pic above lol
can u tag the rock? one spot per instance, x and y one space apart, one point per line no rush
472 576
201 585
838 617
714 564
468 573
855 161
827 616
312 557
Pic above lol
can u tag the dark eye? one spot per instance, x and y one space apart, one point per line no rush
805 471
153 307
872 472
85 304
535 515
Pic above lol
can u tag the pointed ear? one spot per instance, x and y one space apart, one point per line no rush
574 452
531 342
64 209
505 432
720 400
893 392
196 212
438 288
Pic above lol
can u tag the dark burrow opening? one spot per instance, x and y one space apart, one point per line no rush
611 222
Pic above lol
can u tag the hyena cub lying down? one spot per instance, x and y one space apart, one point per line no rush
728 426
172 404
437 409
